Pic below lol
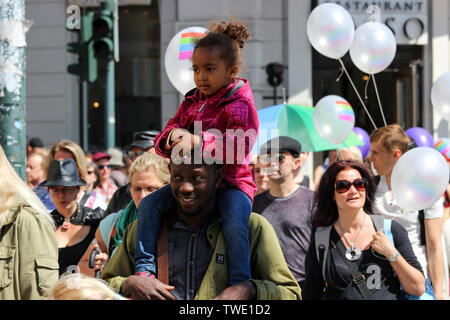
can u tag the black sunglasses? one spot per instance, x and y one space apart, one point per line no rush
101 166
343 186
269 158
134 155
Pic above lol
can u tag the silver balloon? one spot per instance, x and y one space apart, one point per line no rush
330 30
419 178
178 60
334 118
373 47
440 96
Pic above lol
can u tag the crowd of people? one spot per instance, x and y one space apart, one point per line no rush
146 221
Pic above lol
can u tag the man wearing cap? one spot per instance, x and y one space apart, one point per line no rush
143 141
287 205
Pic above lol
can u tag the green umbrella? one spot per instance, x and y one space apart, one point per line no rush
296 121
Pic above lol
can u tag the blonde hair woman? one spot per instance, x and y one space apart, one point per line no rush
352 153
76 286
29 250
66 149
148 173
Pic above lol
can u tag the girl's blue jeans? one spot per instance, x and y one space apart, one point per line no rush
235 208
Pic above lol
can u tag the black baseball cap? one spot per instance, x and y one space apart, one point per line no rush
282 144
144 139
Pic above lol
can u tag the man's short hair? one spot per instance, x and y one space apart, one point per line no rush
391 137
36 142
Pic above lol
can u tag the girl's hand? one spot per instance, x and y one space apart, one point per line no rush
383 245
184 141
177 135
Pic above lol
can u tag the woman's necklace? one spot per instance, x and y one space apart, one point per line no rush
353 253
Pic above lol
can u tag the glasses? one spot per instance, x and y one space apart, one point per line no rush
138 190
102 166
343 186
134 155
63 191
270 158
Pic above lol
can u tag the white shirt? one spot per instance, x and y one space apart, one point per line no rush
387 206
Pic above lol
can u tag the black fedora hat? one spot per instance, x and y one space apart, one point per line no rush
63 173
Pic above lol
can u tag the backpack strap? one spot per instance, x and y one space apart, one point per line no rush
421 218
383 224
111 235
84 198
163 253
322 239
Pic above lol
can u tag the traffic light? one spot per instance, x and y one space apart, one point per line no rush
103 32
86 68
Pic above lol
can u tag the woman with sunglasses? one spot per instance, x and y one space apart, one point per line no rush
75 224
66 149
105 186
344 201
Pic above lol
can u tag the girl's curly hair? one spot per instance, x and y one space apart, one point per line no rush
228 37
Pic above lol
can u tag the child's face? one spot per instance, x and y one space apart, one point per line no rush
211 73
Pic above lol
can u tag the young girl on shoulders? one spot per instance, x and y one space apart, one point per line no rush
224 102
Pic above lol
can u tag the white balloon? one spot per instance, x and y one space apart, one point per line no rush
373 48
178 59
419 178
440 96
330 30
443 146
334 119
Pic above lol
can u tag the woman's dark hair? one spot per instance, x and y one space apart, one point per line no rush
228 38
326 209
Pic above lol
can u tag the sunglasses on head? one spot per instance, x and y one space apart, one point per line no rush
102 166
343 186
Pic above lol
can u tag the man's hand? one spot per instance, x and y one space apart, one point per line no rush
242 291
146 288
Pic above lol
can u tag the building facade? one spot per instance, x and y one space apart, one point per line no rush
145 98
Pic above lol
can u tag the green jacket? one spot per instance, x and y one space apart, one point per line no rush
28 254
272 277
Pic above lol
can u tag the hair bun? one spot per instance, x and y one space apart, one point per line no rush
235 29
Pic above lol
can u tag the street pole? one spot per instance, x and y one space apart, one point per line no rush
110 117
12 83
84 106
